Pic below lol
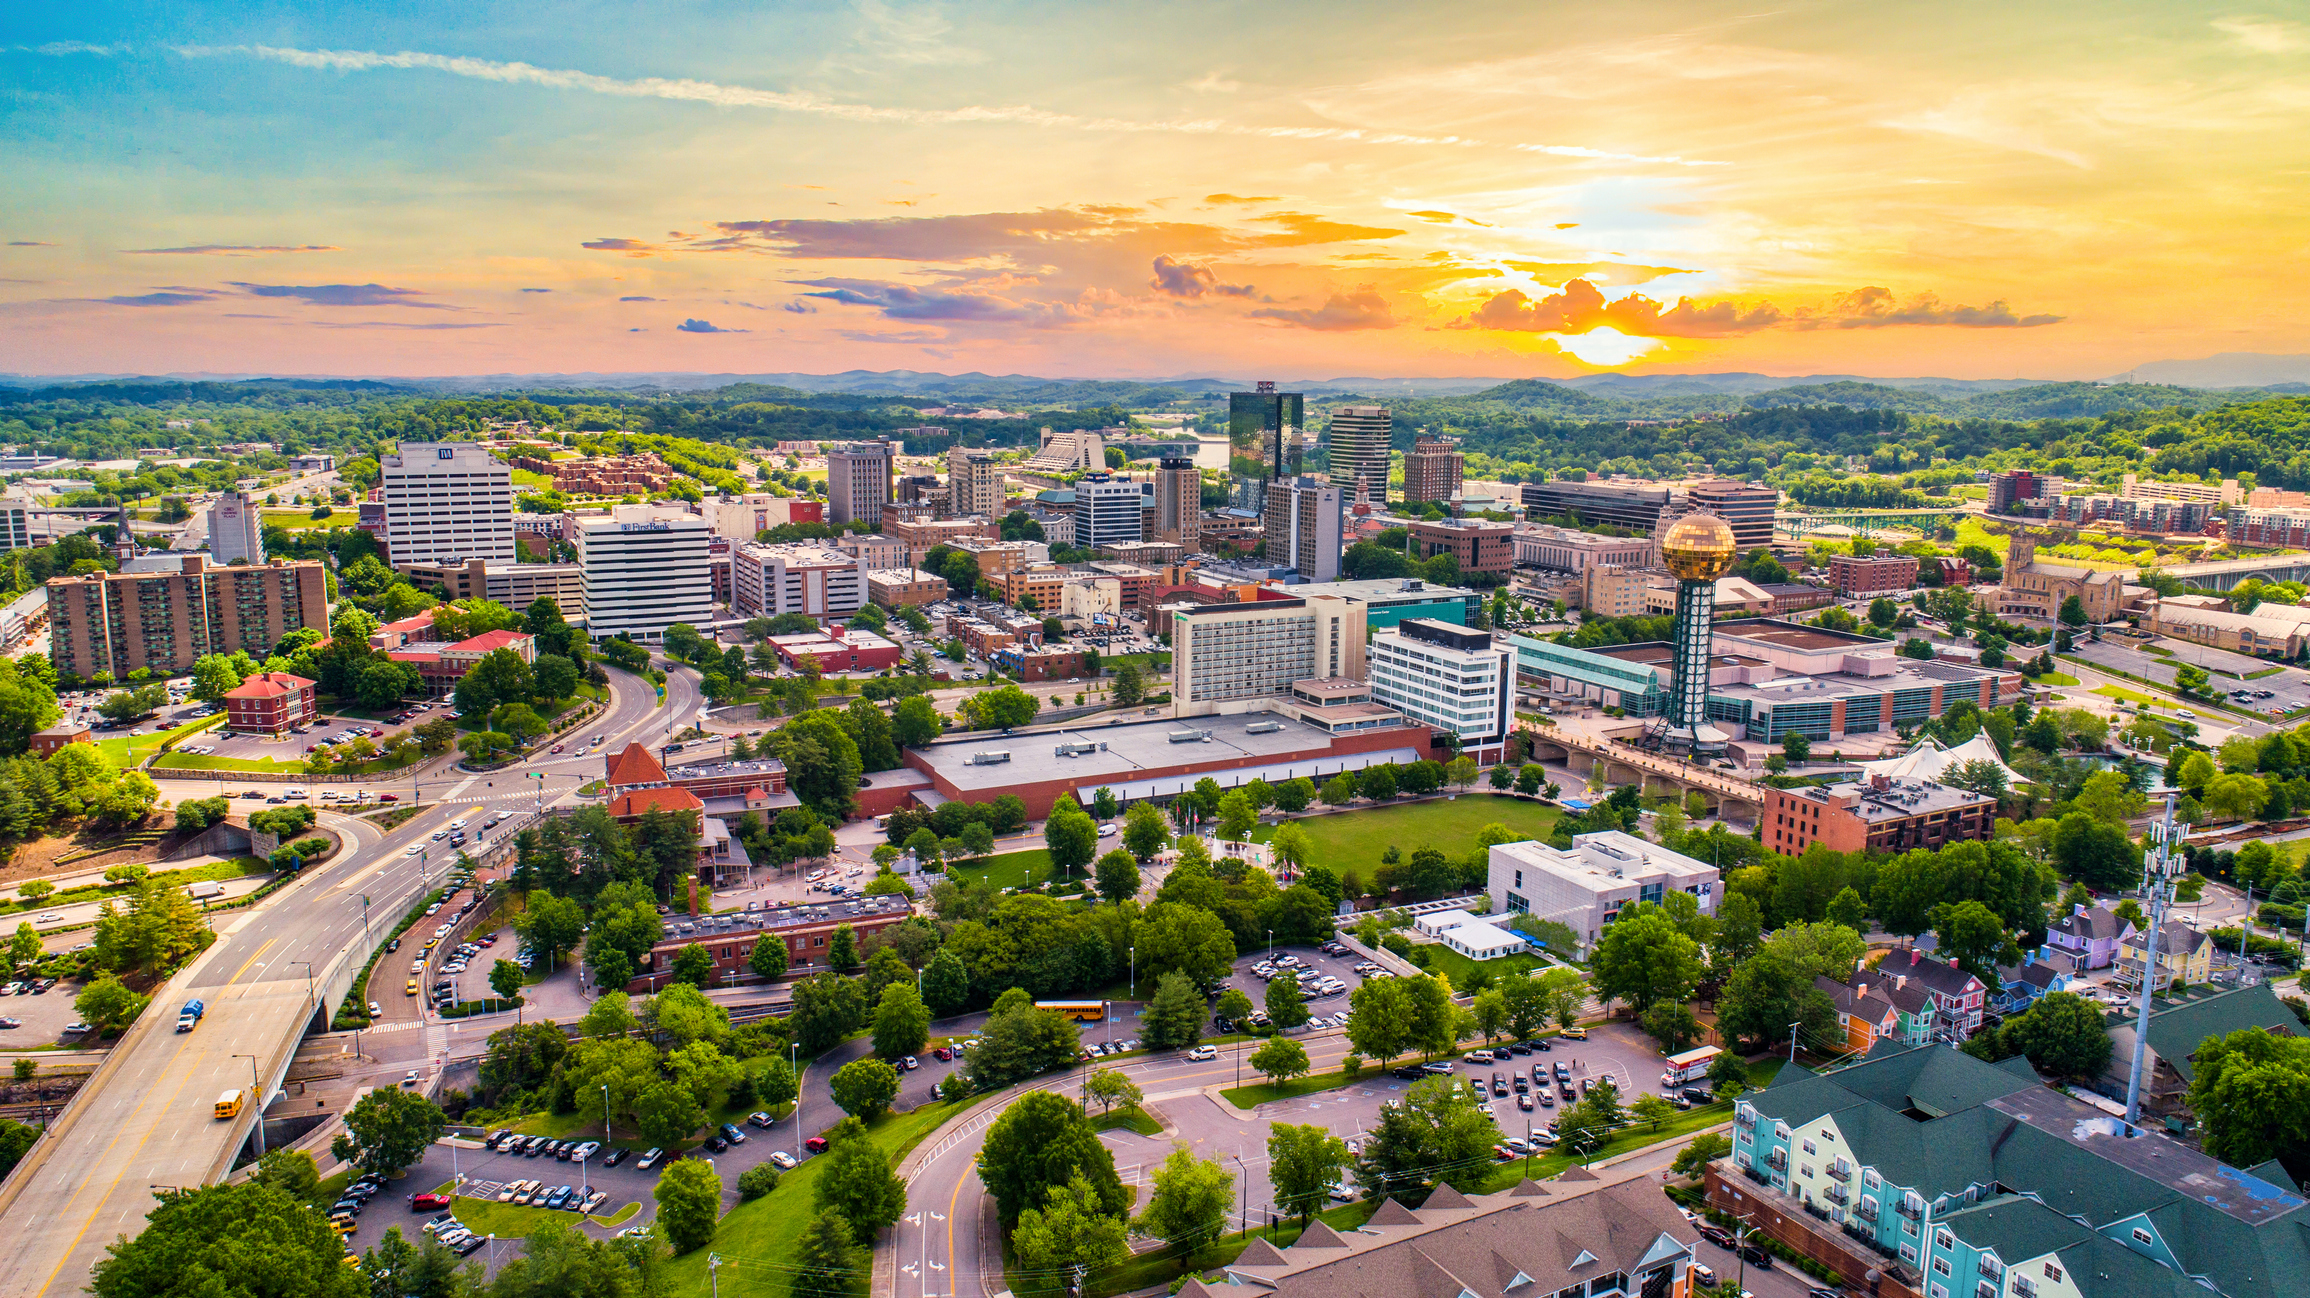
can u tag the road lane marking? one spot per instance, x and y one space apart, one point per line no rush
251 960
114 1185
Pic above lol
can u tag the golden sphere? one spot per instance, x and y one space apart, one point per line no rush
1698 547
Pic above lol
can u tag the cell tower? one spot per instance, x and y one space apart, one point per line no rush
2161 866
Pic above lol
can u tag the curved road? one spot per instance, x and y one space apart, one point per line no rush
145 1120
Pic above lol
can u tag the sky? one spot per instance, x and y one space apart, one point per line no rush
1086 189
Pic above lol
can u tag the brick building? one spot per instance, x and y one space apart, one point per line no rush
1045 664
842 649
1433 470
729 939
1480 546
1855 577
1886 814
898 587
442 666
165 621
607 475
271 703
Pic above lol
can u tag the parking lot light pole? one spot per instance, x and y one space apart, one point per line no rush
793 1055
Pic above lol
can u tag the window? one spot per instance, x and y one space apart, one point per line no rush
1808 1147
2053 1273
1870 1178
2022 1288
1909 1254
1943 1239
2143 1237
1989 1266
1781 1130
1940 1265
1938 1291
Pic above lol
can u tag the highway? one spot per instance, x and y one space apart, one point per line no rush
145 1120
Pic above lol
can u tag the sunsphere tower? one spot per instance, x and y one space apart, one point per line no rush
1697 549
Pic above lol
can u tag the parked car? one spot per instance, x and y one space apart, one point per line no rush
782 1160
428 1202
731 1133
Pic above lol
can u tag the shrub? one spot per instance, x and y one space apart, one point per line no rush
756 1181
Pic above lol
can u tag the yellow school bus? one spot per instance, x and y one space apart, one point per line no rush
1080 1011
229 1104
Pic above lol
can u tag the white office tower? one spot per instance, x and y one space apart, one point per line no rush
644 572
1359 441
236 530
447 500
1446 677
858 482
1108 511
974 482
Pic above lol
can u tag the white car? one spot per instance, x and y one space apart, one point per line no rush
413 850
1107 830
1203 1054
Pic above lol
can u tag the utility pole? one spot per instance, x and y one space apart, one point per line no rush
713 1267
256 1097
2160 865
1793 1040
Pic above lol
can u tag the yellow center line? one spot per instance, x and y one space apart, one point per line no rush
90 1224
251 960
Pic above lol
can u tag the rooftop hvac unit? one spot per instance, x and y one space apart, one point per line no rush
1263 727
994 758
1078 750
1191 736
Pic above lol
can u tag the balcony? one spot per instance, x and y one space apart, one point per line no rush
1840 1172
1836 1194
1745 1121
1779 1159
1914 1212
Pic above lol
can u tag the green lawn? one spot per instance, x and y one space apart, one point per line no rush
1258 1093
2130 696
128 751
1354 840
208 762
1444 960
1161 659
765 1231
1009 870
1131 1118
2056 678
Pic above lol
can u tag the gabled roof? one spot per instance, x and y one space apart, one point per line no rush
2091 924
489 640
646 800
268 685
1869 1004
2040 976
635 765
2177 1031
1939 976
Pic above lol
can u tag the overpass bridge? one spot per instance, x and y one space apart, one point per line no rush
1802 519
1729 797
2227 574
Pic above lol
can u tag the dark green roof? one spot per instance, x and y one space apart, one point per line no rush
2177 1031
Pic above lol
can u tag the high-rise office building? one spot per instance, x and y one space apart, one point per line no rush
974 482
1359 440
1447 677
1745 507
644 572
1263 427
447 500
236 529
1108 510
1226 653
858 481
1179 503
1303 526
1432 470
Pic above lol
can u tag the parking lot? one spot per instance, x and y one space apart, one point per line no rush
1341 968
40 1017
2289 687
485 1174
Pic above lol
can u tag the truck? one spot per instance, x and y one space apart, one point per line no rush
205 890
1690 1066
190 1016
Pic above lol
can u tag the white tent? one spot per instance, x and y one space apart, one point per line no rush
1930 761
1480 941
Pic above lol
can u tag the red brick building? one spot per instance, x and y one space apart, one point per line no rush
1045 664
838 650
443 666
1855 577
729 940
57 736
1881 815
1479 544
271 703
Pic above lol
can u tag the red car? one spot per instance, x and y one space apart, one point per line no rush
816 1144
428 1202
942 1054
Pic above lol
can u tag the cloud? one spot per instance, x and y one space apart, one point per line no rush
1970 118
397 324
1234 198
231 249
1363 309
1449 218
912 238
696 326
57 48
630 247
31 243
917 36
800 308
537 290
1596 272
637 331
1179 279
1304 228
637 299
2264 35
908 336
726 96
345 295
1580 308
165 297
1875 308
906 302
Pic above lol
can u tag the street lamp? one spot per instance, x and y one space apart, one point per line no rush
308 977
257 1094
793 1055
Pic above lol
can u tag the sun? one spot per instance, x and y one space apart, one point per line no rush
1604 346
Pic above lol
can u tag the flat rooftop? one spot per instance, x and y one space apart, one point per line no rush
1789 635
1135 750
1383 590
681 929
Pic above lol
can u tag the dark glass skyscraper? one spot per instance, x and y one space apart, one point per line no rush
1263 440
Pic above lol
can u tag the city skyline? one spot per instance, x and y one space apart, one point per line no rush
1011 188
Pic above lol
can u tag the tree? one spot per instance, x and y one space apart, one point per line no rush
1644 960
1118 876
1069 1235
611 1015
214 676
827 1261
2235 796
1145 832
1378 1027
1490 1012
842 950
1764 996
776 1084
1041 1142
2095 853
693 965
387 1130
859 1184
865 1088
901 1021
505 979
1699 1152
1304 1162
1236 817
1174 1017
1188 1208
107 1003
945 984
708 1074
1435 1133
1130 684
666 1114
1109 1088
1673 1025
1654 1109
229 1239
1072 837
2063 1034
1281 1058
689 1196
1173 935
290 1171
869 727
1585 1126
1848 911
822 763
1974 935
1103 804
1728 1075
550 926
768 956
1285 1008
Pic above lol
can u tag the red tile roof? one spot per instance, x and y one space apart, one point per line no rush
489 640
268 685
413 656
634 765
641 800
